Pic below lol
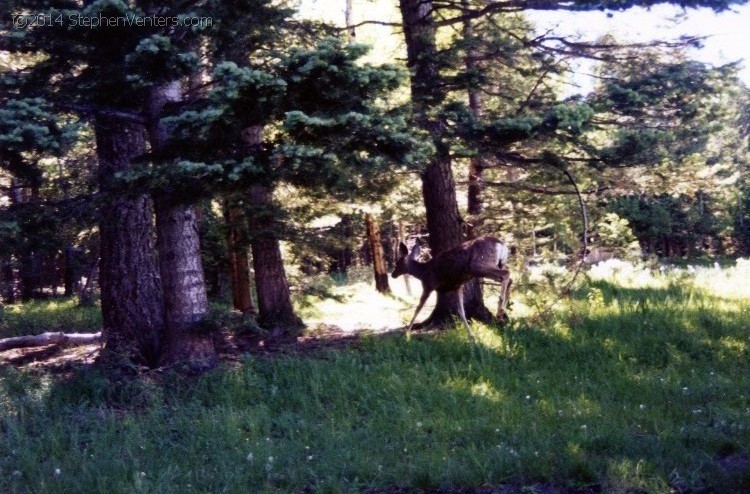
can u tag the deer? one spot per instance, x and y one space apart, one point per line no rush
483 257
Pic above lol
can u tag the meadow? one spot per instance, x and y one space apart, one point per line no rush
639 382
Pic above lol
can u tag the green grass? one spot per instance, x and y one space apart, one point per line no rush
631 388
37 317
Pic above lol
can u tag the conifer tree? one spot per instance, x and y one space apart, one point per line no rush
420 21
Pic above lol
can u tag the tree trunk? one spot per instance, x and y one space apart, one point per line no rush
131 295
394 254
438 186
344 256
477 163
348 19
378 259
9 282
275 311
71 269
185 299
239 267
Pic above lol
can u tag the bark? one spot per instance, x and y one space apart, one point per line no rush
239 266
45 339
185 299
131 296
71 271
348 15
28 276
344 256
11 269
477 163
8 275
438 185
275 311
378 258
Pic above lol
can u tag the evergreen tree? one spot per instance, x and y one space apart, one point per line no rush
420 21
312 120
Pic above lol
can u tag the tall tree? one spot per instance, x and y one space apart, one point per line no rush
185 298
131 296
438 185
110 74
239 261
429 86
328 134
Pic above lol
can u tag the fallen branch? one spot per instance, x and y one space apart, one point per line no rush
49 339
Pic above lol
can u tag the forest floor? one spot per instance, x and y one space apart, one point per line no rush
640 382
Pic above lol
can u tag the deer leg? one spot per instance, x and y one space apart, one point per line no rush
504 296
422 300
462 313
501 275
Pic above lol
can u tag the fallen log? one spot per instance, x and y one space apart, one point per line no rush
45 339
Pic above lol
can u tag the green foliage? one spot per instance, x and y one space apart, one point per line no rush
615 232
325 124
28 127
155 60
671 225
661 109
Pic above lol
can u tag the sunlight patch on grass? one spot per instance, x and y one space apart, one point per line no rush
362 308
485 390
40 316
621 389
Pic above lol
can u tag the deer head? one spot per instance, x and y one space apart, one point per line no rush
406 259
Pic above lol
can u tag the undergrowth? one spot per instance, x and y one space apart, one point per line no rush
631 388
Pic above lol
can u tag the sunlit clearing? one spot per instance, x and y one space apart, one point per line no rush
361 307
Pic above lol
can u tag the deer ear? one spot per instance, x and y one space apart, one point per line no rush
402 249
415 251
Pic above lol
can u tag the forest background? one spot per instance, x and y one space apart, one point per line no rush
189 176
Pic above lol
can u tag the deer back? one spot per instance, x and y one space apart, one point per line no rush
472 259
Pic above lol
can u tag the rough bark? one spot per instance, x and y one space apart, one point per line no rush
275 311
30 270
131 296
378 258
438 186
239 262
185 299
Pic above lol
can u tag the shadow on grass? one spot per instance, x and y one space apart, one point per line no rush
639 397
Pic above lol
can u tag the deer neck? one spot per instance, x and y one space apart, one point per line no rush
419 269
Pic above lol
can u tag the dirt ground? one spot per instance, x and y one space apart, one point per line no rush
230 347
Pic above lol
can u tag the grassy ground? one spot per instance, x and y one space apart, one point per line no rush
53 315
640 384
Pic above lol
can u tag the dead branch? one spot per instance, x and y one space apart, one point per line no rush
45 339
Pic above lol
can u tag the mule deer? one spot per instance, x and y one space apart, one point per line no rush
484 257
